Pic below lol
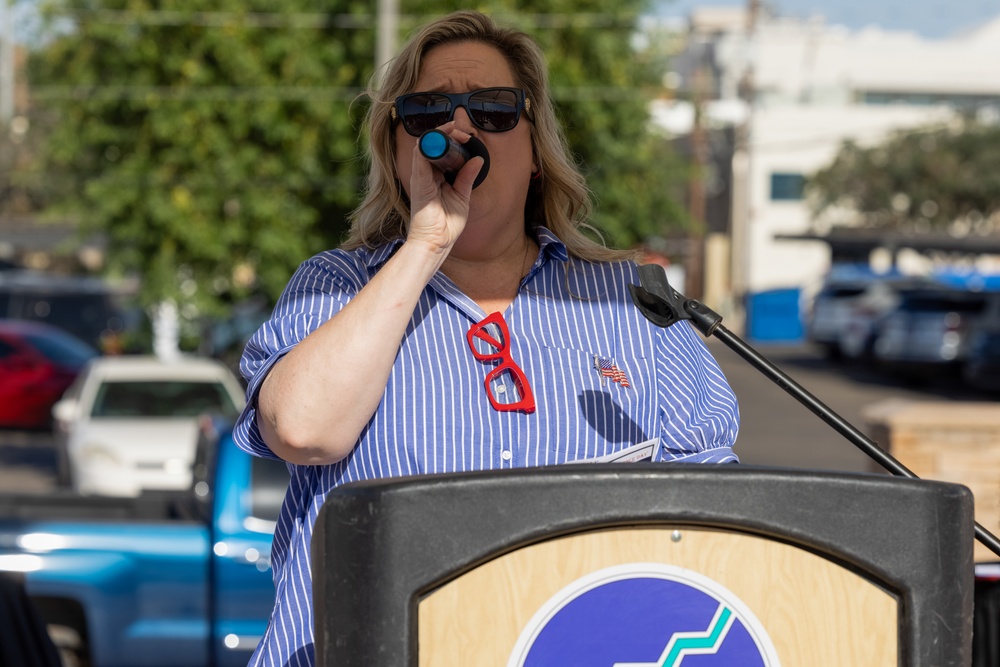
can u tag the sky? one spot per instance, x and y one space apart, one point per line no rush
932 19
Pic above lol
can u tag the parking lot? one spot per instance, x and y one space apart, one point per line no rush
27 462
775 431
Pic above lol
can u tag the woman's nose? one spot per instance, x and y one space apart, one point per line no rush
463 122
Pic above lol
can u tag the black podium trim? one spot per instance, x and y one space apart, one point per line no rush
381 545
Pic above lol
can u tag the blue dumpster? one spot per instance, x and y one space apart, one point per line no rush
775 316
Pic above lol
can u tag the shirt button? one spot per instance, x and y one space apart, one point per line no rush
505 455
501 389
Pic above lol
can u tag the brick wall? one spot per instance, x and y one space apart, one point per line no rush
950 442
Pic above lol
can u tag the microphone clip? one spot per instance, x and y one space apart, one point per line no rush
662 305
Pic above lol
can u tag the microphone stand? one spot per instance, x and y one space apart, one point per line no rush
663 306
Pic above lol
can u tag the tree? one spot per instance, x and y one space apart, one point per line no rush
214 146
945 178
215 143
17 198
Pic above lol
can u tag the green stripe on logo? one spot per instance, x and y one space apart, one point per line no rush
709 641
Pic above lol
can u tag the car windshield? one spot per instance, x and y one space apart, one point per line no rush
930 304
840 292
175 398
64 350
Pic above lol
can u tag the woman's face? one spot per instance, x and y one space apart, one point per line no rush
461 67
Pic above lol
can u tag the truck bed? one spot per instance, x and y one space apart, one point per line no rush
68 505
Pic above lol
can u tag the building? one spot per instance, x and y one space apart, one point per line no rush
795 90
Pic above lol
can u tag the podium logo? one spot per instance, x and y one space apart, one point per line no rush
644 615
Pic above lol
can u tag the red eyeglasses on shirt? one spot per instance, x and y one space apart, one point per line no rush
500 350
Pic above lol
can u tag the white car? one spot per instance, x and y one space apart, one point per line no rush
129 423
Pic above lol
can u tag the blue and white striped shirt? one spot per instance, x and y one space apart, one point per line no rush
435 416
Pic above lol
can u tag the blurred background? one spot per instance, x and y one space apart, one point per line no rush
184 157
823 173
826 175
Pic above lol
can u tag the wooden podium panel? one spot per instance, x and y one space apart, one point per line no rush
815 612
833 569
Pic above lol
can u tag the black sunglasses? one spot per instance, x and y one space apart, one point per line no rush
490 109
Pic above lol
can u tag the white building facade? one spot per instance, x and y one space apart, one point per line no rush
812 87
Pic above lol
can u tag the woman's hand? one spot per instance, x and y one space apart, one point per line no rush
310 416
439 211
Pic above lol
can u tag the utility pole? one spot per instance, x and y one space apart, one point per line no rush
387 30
694 279
742 198
6 64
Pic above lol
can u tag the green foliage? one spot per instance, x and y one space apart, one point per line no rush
20 194
917 180
216 143
213 152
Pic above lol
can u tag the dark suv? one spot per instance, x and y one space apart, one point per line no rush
87 307
930 329
981 367
844 314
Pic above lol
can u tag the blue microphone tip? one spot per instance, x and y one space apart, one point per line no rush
434 144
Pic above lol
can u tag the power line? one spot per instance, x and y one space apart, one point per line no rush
319 20
163 17
294 183
156 94
862 136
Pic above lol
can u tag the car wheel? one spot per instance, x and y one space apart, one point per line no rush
831 351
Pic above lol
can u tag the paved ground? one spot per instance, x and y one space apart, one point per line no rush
27 462
777 430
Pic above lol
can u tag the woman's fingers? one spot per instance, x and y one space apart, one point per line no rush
438 210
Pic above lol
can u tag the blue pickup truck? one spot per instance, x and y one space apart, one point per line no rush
165 579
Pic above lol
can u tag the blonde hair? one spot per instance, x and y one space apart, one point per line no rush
558 199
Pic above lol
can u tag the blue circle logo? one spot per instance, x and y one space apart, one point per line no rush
644 615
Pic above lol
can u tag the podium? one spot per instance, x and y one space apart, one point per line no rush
644 564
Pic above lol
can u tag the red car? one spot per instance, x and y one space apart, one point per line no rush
37 363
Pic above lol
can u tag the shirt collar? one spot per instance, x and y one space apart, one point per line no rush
380 255
551 245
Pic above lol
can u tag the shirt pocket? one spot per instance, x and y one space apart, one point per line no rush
590 413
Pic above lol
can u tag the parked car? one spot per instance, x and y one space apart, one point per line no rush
981 367
38 363
90 308
845 311
863 318
130 423
167 579
929 330
826 316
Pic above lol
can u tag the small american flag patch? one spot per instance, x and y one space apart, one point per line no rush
607 368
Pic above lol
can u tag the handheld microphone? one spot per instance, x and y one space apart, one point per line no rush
450 156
